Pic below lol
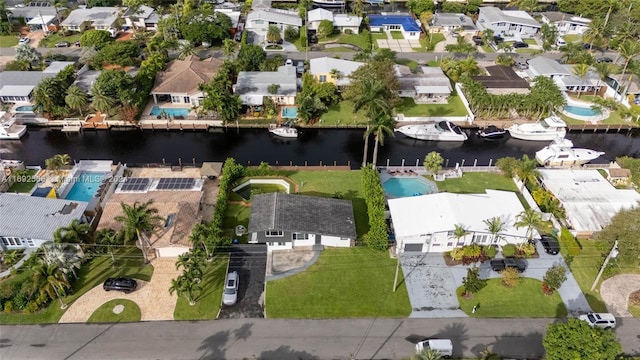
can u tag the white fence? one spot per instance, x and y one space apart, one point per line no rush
465 102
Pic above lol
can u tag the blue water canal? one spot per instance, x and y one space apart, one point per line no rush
256 145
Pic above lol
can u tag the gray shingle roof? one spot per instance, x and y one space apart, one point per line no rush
275 16
33 11
544 66
35 217
31 78
447 19
495 15
98 16
300 213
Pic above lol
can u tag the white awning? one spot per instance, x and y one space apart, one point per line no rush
41 20
433 90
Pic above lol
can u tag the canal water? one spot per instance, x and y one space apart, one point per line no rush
251 146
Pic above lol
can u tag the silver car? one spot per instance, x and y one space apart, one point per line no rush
230 295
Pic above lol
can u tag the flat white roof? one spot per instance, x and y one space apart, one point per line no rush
589 200
41 20
440 212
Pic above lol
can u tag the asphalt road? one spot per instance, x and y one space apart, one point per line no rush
283 339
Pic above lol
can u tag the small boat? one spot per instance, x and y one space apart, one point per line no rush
283 131
440 131
491 132
12 131
560 153
330 3
547 129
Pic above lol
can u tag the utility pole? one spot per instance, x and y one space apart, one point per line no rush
612 254
395 280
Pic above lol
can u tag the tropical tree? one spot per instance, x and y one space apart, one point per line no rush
566 340
28 54
530 219
487 35
191 262
186 50
597 32
66 257
495 226
57 162
549 36
76 99
382 124
139 220
433 162
427 354
273 34
183 285
526 170
526 5
628 49
554 277
459 232
50 282
472 282
102 102
75 233
228 48
581 71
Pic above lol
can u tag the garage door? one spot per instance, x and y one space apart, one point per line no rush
413 247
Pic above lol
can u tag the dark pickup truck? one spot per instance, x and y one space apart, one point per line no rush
500 264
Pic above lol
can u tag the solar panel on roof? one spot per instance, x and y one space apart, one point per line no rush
135 184
175 183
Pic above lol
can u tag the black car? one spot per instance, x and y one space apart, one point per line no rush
238 36
550 244
499 265
123 284
477 40
498 39
604 60
520 44
592 47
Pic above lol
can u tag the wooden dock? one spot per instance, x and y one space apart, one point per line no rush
176 126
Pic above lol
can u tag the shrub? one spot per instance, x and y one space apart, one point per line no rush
472 282
348 31
510 277
509 250
20 301
527 250
570 242
491 251
8 307
507 165
377 238
32 307
291 33
555 276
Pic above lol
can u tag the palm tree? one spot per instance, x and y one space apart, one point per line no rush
459 232
381 124
273 34
628 49
531 219
228 48
74 233
427 354
50 282
525 5
192 263
604 70
371 96
183 285
76 99
102 102
581 71
526 170
139 220
186 50
199 239
66 257
597 32
496 226
56 5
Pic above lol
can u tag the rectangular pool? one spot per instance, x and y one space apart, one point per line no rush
157 110
85 186
290 112
407 187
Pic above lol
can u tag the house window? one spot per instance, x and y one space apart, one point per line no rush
273 233
451 233
31 243
435 245
345 239
412 34
300 236
323 78
175 99
449 244
500 24
480 239
460 243
280 244
258 22
11 241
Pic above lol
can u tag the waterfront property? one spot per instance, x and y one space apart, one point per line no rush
627 87
168 111
502 80
507 23
341 22
18 86
335 71
289 112
449 22
427 223
285 221
565 23
180 82
584 111
258 21
397 187
99 18
254 86
431 86
563 75
405 23
589 200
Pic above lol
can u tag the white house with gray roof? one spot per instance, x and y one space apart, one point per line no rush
144 17
342 22
431 86
29 13
98 18
17 86
253 86
563 75
508 23
30 221
449 22
565 23
258 21
323 68
285 221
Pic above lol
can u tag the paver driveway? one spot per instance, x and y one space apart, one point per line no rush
615 293
152 297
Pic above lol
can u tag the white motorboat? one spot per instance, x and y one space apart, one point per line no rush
283 131
440 131
12 131
560 153
547 129
330 3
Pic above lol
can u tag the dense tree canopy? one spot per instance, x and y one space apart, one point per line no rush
250 57
115 84
575 339
205 26
624 227
419 6
95 38
123 53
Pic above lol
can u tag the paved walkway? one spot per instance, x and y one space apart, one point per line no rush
25 256
398 45
615 293
152 297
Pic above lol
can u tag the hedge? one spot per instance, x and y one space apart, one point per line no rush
377 237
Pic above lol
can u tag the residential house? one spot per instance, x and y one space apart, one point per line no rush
565 23
502 80
233 14
508 23
258 21
46 23
589 200
98 18
18 86
336 71
448 22
29 13
427 223
628 86
30 221
315 17
177 201
431 86
341 22
180 82
564 75
261 5
317 221
144 18
253 86
405 23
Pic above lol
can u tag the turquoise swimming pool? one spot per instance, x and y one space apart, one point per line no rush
25 108
397 187
157 110
580 111
85 186
290 112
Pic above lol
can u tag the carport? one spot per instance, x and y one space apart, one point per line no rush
211 170
250 261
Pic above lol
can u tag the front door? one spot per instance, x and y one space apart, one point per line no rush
318 239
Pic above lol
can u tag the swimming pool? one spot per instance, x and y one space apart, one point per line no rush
85 186
580 111
157 110
25 108
397 187
290 112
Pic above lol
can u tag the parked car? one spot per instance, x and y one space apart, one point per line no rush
289 62
24 40
230 296
238 36
604 59
300 67
443 346
497 39
63 44
603 320
124 284
499 265
550 244
312 38
477 40
520 44
592 47
522 65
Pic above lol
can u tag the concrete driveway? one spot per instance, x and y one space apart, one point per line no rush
615 293
250 261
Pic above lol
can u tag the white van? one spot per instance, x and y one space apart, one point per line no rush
560 42
442 346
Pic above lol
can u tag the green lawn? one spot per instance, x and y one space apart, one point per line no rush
412 64
343 283
487 49
51 40
22 186
338 49
429 41
209 301
572 38
359 40
327 183
129 262
235 215
530 42
8 41
477 183
397 35
527 51
105 314
342 114
454 108
525 300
